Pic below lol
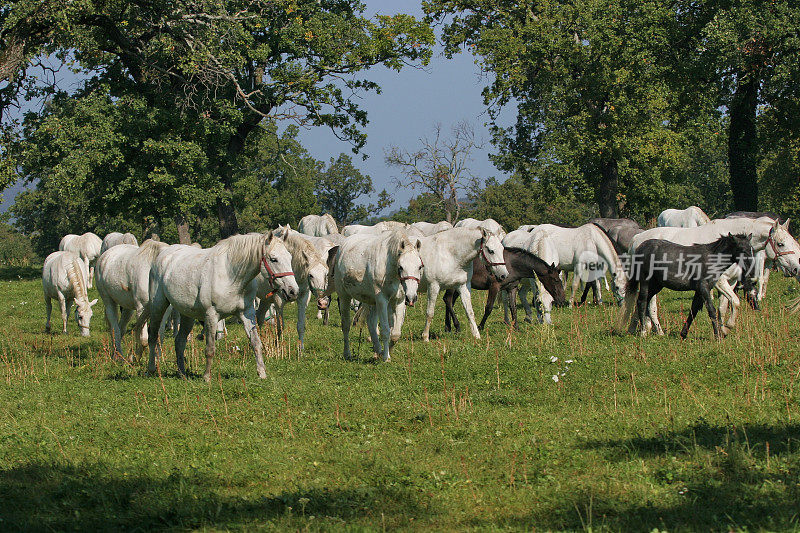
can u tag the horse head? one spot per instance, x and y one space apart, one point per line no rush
409 267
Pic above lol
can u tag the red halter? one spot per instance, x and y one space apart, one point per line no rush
771 242
486 259
272 276
403 278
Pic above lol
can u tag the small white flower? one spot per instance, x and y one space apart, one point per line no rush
555 378
553 358
568 361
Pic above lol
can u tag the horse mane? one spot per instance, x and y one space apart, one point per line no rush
241 248
725 242
150 249
610 243
298 246
396 241
701 214
75 276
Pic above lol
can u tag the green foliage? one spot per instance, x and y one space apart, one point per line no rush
513 203
339 188
16 249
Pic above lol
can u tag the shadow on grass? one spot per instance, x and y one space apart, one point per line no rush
10 273
719 476
42 496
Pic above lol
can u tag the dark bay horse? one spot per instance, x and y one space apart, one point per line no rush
521 264
664 264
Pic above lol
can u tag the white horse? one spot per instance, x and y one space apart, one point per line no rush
429 229
765 234
318 225
380 227
542 246
489 224
86 246
578 248
373 269
311 272
327 247
448 258
114 238
64 278
213 283
123 281
691 217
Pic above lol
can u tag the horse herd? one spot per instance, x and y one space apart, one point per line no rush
383 268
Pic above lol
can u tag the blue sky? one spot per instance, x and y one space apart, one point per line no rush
411 102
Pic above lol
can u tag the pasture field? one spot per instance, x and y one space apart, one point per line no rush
635 435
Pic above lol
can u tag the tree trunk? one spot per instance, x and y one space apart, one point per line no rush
743 145
183 230
608 189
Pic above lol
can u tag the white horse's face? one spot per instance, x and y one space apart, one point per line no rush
409 270
493 255
783 249
83 315
277 266
318 277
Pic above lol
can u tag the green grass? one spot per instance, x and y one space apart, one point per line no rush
455 434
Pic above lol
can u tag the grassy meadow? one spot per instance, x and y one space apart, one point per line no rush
635 435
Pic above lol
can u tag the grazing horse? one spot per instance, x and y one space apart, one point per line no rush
620 231
766 234
64 278
448 257
691 217
114 238
429 229
579 247
385 225
488 224
123 281
311 272
318 225
86 246
373 269
664 265
542 246
213 283
521 265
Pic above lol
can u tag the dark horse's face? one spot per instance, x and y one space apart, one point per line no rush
551 280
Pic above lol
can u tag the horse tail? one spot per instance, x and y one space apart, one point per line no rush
628 305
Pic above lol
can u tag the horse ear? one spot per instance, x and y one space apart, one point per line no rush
288 228
93 302
777 224
270 236
786 224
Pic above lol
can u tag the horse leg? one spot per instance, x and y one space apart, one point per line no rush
261 312
279 303
433 294
725 290
248 318
511 295
524 286
712 311
456 323
642 301
398 320
763 279
181 336
382 307
123 316
62 301
597 294
302 305
466 301
210 328
652 316
48 304
576 282
158 306
586 288
697 304
344 313
372 326
494 288
448 308
140 330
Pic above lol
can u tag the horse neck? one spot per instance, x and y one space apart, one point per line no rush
605 249
523 264
244 263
